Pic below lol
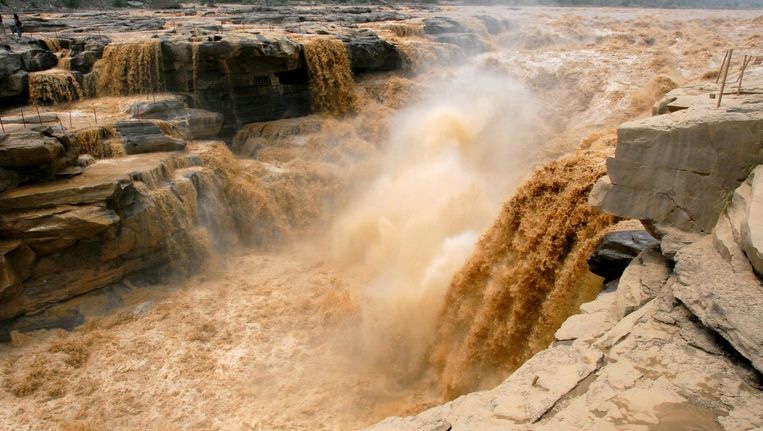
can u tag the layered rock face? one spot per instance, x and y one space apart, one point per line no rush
246 80
119 217
679 169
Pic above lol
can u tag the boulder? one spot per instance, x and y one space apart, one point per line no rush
616 251
752 222
143 136
85 51
200 123
492 24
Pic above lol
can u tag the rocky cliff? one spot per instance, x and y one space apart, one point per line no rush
246 77
675 342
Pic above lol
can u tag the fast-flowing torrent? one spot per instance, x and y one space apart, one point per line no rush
130 68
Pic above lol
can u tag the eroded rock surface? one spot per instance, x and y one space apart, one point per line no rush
676 168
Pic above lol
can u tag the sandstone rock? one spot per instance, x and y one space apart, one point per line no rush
616 251
143 136
94 185
163 109
752 223
29 149
201 124
674 168
539 383
197 123
729 302
642 280
492 24
63 222
85 51
9 179
164 4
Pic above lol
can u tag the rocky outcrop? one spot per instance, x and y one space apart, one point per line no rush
676 169
192 123
37 156
14 78
369 53
143 136
121 216
246 80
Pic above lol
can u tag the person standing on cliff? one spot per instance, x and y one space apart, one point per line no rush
17 24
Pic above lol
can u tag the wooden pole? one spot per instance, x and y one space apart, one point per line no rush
23 120
39 118
723 63
723 81
95 116
2 125
745 62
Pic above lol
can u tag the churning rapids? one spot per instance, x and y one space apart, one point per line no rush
430 233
